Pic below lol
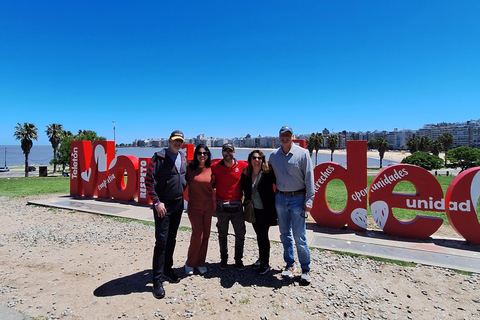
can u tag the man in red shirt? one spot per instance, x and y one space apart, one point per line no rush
227 174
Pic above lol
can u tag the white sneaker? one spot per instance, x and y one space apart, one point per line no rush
188 270
202 270
288 272
305 278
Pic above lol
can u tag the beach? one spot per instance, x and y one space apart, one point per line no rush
396 156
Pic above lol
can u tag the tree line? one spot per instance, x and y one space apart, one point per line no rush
424 151
59 138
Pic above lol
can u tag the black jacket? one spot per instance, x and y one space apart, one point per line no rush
268 215
163 180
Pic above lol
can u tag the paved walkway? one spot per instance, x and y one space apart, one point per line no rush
449 253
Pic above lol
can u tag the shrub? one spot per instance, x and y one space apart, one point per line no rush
425 160
463 157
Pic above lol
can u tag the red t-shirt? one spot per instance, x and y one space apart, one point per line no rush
227 180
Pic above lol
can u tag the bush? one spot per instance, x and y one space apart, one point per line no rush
425 160
463 157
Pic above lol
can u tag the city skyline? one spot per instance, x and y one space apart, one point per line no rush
465 133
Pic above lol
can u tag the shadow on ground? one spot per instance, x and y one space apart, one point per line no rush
142 281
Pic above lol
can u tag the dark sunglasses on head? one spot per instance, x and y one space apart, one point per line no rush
199 153
256 158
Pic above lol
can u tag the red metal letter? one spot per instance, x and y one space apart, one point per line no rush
354 215
428 197
462 199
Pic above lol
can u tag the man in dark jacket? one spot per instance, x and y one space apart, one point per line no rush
165 184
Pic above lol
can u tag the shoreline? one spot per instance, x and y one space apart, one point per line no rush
396 156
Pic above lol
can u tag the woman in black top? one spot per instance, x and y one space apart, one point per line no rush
258 176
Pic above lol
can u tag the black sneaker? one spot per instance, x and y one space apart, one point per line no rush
223 264
158 291
263 269
256 265
239 265
171 276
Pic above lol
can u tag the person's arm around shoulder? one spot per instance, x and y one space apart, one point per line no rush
309 183
246 184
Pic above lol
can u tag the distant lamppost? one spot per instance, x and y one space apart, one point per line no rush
113 131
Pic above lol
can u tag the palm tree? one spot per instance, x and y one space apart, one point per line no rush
412 145
447 140
315 142
332 142
311 143
371 143
318 143
63 154
382 145
54 134
424 144
25 134
436 147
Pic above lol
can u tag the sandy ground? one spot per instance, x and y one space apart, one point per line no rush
61 264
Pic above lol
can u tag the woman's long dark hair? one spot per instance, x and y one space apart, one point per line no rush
195 163
249 169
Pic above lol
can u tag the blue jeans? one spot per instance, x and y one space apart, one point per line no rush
291 217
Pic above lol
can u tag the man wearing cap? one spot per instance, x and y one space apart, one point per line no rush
165 182
228 194
293 200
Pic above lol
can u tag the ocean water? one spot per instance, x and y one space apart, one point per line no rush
13 155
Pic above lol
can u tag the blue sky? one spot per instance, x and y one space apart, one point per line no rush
231 68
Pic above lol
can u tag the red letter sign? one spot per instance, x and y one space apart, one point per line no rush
116 178
91 168
354 215
428 197
462 198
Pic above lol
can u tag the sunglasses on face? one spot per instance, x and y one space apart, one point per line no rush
256 158
228 151
199 153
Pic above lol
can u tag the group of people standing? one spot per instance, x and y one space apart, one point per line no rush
282 191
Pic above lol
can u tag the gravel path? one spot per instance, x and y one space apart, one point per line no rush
59 264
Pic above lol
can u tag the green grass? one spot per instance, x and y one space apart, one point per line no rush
18 187
127 220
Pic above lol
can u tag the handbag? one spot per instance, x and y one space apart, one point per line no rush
248 208
249 211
